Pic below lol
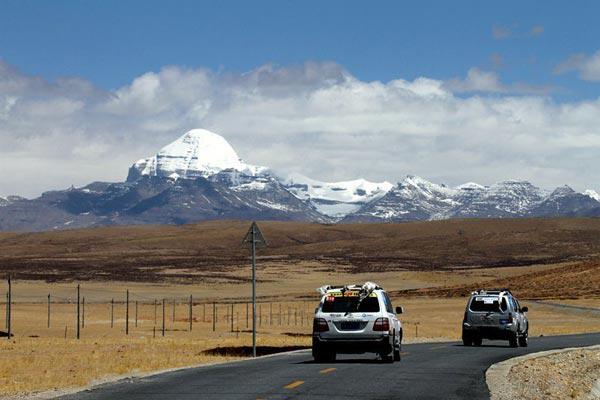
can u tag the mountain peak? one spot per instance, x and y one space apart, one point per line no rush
197 153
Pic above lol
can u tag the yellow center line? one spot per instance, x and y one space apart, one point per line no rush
293 385
326 370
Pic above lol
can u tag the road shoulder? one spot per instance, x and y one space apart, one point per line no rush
558 369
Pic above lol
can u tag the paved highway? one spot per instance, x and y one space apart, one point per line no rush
427 371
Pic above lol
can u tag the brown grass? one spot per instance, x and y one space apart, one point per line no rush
212 251
564 282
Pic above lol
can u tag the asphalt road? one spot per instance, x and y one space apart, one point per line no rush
427 371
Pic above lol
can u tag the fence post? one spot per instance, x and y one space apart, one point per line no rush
112 313
127 312
231 317
136 312
6 312
246 315
214 315
191 305
260 315
83 313
279 314
48 310
9 308
163 318
155 305
78 314
173 313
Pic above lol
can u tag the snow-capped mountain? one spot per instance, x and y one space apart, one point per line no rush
198 153
416 199
336 199
412 199
200 177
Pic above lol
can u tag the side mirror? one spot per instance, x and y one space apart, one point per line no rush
399 310
316 310
524 309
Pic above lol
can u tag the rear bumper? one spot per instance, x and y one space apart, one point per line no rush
501 332
354 346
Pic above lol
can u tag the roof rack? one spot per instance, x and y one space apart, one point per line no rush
366 287
491 291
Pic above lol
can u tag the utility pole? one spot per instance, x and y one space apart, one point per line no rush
112 313
254 237
48 310
136 312
83 312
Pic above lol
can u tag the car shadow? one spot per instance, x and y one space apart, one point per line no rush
345 361
486 345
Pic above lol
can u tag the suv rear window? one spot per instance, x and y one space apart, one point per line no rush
350 304
485 304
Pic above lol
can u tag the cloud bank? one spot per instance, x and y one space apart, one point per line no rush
314 118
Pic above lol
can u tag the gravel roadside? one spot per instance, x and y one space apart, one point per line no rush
557 374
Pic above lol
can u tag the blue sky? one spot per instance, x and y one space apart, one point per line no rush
450 91
111 42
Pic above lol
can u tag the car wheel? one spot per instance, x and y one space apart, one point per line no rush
387 358
477 341
397 356
323 355
523 339
467 339
512 340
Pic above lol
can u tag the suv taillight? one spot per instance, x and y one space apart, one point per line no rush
381 324
320 325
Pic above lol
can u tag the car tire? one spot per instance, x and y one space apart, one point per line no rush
512 340
523 339
321 354
397 355
477 340
387 358
467 339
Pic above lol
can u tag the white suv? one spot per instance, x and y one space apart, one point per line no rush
356 319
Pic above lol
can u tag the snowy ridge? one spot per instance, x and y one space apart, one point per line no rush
336 199
415 198
592 194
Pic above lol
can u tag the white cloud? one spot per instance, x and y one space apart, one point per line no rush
478 80
588 67
315 118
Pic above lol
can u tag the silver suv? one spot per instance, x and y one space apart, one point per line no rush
495 315
356 319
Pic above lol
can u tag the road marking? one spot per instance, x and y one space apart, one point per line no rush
326 370
293 385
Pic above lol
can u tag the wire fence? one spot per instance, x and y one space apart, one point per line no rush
95 312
